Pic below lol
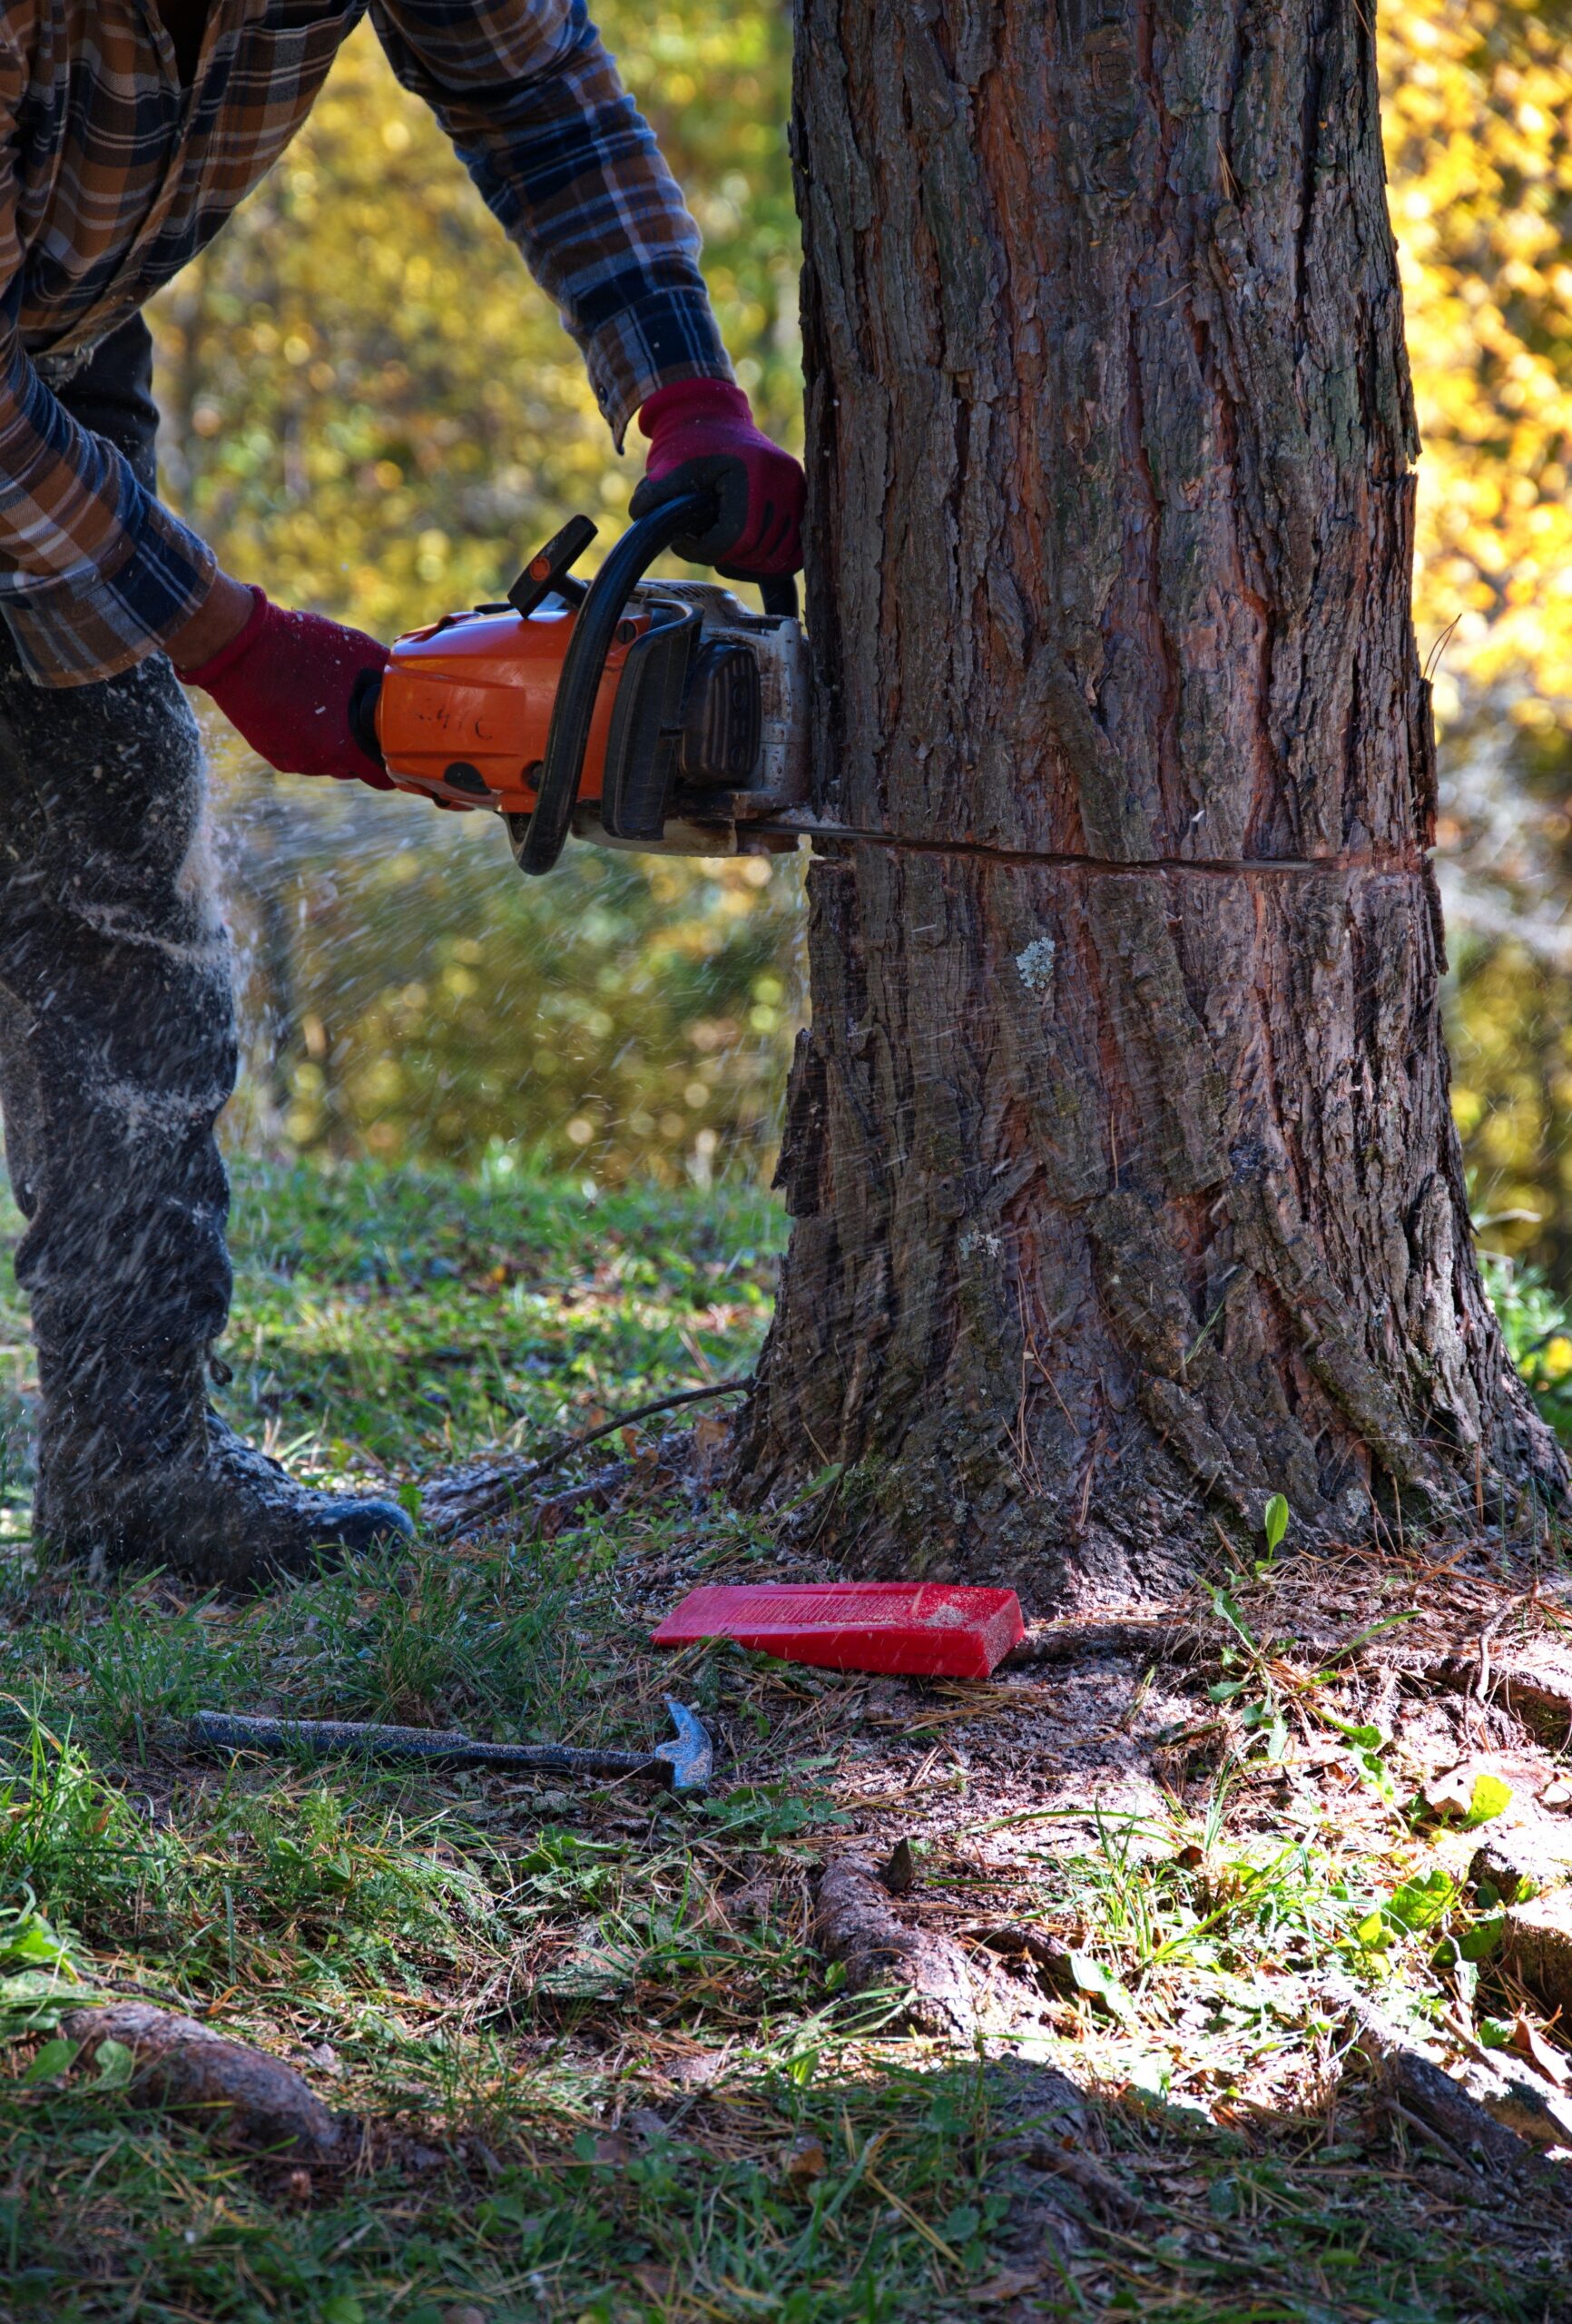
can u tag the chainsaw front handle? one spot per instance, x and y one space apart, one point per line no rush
538 841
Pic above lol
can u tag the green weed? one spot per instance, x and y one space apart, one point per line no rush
75 1845
1537 1326
431 1638
141 1664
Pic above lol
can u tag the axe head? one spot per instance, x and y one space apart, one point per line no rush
690 1754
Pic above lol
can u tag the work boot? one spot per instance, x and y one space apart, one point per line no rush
136 1469
117 1055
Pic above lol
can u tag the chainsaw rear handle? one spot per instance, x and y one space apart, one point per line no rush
538 842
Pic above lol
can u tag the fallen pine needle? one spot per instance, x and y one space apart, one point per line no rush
922 2225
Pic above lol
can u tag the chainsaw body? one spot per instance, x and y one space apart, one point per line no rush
657 715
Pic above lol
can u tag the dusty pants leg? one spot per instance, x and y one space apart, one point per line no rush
117 1055
117 1047
117 1044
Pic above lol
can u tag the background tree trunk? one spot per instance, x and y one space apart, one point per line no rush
1124 1184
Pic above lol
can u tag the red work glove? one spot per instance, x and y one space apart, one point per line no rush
701 435
287 682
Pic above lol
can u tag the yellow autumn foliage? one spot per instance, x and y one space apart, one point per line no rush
1477 105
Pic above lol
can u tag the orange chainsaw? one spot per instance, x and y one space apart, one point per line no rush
659 715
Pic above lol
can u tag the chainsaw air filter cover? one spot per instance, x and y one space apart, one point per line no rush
721 716
697 725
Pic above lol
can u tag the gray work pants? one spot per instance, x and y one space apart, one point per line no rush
117 1041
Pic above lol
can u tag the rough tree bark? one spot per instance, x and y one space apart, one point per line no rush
1124 1184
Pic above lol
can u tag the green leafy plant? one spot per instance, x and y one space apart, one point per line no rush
1274 1523
1491 1797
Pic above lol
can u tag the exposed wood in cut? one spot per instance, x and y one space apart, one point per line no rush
1124 1187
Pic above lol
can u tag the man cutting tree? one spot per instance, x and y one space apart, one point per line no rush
134 127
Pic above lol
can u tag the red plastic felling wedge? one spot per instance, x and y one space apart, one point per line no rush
925 1629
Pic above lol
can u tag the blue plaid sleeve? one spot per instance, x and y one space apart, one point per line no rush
538 115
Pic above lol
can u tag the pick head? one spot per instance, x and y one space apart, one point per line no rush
690 1754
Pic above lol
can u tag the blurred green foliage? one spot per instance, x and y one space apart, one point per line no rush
370 409
1538 1330
408 993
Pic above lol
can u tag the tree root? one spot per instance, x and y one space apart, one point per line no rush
853 1923
1488 2114
1541 1698
485 1491
1135 1638
1543 1703
247 2099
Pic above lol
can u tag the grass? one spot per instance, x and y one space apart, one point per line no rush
612 2077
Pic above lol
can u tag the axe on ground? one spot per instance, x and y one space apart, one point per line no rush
686 1765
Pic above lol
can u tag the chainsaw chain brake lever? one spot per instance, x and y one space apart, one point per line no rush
548 572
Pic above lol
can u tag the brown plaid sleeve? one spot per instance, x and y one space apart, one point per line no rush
539 117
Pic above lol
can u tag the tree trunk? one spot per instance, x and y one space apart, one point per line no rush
1124 1184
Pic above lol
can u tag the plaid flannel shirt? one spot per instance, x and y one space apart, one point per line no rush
112 176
